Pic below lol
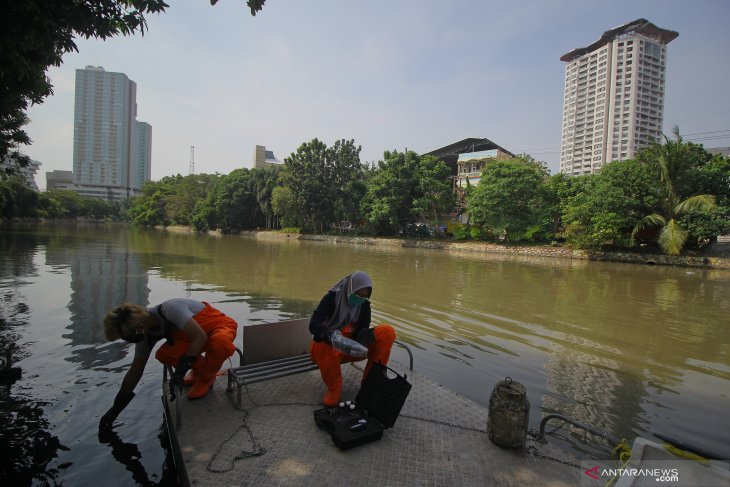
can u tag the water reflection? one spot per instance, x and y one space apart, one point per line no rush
27 445
102 274
129 455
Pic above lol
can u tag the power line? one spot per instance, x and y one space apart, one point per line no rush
703 133
703 116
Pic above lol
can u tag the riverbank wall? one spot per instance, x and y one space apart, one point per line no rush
492 248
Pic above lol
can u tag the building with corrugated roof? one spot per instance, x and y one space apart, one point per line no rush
466 159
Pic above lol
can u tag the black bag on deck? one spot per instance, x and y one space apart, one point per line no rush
377 406
382 395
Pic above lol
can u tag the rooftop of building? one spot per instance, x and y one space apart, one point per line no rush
450 153
271 158
640 26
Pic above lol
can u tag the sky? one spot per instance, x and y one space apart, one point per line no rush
389 74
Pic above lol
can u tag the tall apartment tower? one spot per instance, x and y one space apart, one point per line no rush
143 153
105 157
613 104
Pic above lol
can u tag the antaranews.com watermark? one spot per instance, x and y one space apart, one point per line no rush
675 473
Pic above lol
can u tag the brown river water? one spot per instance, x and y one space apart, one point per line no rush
631 350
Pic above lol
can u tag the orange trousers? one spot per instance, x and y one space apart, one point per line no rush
328 359
221 331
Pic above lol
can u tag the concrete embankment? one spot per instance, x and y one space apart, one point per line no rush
517 250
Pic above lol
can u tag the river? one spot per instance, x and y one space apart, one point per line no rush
629 349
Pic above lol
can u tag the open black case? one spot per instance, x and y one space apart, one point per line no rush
376 407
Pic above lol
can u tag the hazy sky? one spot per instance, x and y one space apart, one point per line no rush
390 74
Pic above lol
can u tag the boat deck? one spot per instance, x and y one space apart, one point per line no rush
439 439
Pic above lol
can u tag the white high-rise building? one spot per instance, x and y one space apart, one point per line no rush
106 150
613 104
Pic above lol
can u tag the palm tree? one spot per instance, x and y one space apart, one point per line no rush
673 159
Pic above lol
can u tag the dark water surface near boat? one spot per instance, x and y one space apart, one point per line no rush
628 349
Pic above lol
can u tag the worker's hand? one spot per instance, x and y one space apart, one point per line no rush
120 402
107 421
365 337
323 336
183 365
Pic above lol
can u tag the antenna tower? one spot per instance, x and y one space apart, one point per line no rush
191 169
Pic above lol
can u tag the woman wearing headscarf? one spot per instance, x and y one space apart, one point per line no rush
345 310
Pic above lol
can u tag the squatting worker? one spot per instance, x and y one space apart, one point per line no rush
346 307
199 339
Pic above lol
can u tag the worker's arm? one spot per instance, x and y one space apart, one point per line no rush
130 381
323 311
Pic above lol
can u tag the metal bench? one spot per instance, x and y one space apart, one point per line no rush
272 350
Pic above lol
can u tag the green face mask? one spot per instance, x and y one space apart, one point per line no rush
355 300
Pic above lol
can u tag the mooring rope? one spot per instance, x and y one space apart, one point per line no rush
622 449
257 450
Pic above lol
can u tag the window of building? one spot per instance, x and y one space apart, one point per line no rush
652 50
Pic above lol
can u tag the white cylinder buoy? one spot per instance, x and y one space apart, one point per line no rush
509 412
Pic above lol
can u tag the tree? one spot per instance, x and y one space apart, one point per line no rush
149 209
306 176
390 192
406 188
347 180
713 178
323 181
599 210
184 194
558 188
263 182
435 194
285 207
35 34
231 206
16 199
673 160
509 196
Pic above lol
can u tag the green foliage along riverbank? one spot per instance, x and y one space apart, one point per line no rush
674 196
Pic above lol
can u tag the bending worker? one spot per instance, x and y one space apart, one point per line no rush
345 312
199 339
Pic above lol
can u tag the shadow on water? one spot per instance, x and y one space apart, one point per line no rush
27 447
129 455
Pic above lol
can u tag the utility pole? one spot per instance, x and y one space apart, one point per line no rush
191 169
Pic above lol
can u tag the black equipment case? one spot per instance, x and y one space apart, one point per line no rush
376 407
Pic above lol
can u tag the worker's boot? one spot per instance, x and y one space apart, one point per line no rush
204 379
332 378
201 387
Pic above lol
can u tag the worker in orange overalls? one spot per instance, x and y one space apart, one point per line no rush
346 309
199 339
